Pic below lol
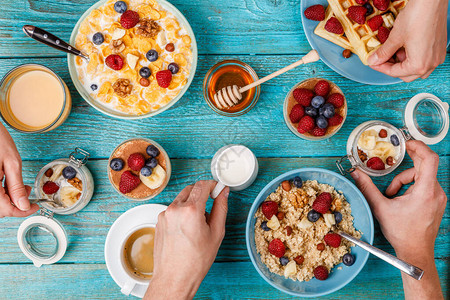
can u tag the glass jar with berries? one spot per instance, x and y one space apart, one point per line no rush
378 148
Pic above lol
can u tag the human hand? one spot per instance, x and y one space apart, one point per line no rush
186 242
12 189
419 40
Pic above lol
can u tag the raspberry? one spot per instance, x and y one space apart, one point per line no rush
383 34
357 14
50 187
136 161
322 203
128 182
336 99
375 22
381 4
305 124
129 19
164 78
334 26
303 96
332 239
376 163
315 13
361 2
277 248
321 273
335 120
322 88
317 131
297 113
114 61
269 208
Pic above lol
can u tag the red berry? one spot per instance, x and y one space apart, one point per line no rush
114 61
297 113
376 163
322 88
357 14
136 161
322 203
321 273
383 34
335 120
375 22
129 19
317 131
305 124
334 26
303 96
361 2
269 208
381 4
164 78
299 260
128 182
336 99
277 248
50 187
332 239
315 12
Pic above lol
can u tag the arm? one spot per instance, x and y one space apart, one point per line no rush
419 40
12 189
410 222
186 242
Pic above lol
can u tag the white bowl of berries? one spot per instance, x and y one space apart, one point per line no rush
315 109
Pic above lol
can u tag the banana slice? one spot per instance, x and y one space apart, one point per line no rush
57 171
383 150
69 195
367 140
155 180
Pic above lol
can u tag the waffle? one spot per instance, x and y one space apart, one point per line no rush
362 39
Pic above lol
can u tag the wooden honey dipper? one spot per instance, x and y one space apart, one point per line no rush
231 95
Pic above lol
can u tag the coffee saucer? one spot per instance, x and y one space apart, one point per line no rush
139 215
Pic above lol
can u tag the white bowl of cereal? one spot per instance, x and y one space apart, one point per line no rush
143 57
289 232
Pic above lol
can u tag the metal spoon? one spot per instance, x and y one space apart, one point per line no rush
51 40
402 265
50 202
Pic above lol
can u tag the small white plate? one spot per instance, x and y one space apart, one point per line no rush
139 215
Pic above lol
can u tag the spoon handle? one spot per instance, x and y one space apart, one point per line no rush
51 40
403 266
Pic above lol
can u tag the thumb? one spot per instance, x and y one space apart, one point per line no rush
370 191
219 211
16 189
386 51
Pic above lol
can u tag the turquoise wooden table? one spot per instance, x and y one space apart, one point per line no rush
267 34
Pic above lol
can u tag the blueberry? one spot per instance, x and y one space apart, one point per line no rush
313 215
321 122
145 72
120 7
116 164
311 111
152 151
174 68
152 55
369 9
151 162
146 171
69 172
327 110
264 226
298 182
94 87
394 140
317 101
98 38
284 260
337 217
348 259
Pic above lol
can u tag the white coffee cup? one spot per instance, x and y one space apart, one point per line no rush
131 280
234 166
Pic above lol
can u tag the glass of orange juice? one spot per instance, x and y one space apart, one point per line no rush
33 99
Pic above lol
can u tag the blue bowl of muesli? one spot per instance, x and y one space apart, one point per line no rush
293 272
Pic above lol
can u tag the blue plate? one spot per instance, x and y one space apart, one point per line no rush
337 279
331 54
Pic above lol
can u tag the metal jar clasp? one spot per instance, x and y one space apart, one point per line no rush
341 168
79 157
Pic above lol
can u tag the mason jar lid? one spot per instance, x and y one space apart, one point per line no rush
426 118
42 239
